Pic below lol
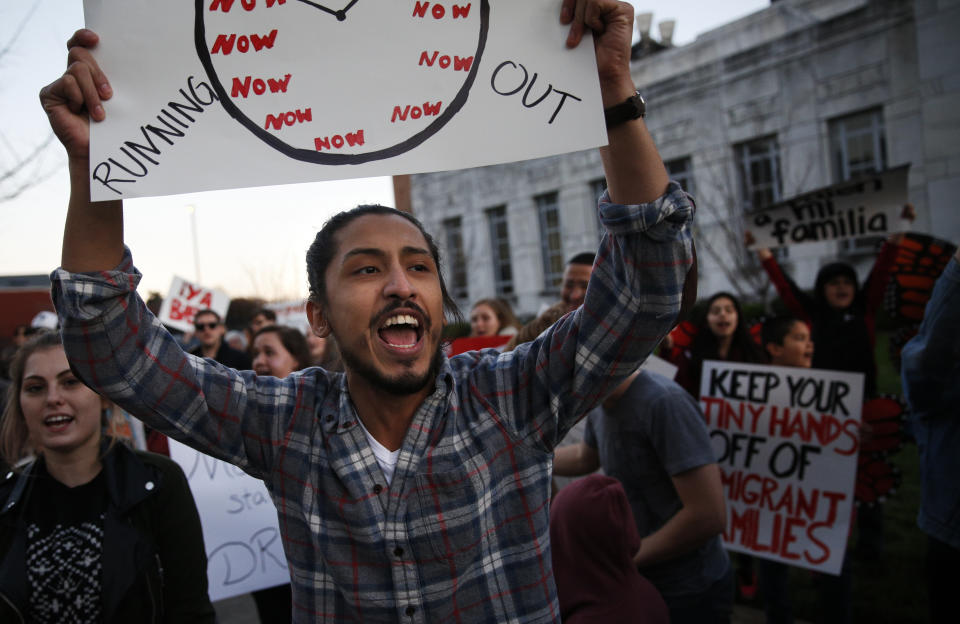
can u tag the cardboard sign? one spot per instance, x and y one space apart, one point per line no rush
292 314
186 299
660 366
477 343
240 528
867 206
786 441
213 94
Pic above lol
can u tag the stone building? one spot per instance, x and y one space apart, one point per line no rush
794 97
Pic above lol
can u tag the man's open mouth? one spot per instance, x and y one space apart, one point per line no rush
401 331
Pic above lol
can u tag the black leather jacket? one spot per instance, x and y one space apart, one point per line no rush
154 565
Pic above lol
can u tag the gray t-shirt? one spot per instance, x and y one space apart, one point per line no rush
657 430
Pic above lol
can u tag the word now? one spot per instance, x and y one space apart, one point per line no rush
438 11
224 43
195 99
496 83
337 141
415 112
248 5
288 118
259 85
459 64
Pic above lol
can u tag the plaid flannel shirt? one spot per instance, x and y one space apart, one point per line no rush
461 534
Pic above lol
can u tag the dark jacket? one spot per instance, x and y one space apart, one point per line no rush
154 562
842 339
228 356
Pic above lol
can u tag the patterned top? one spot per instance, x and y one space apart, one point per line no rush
461 534
65 550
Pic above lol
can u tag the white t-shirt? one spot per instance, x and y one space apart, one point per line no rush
385 457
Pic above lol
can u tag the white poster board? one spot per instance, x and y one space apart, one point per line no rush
240 528
786 441
660 366
867 206
212 94
292 314
186 298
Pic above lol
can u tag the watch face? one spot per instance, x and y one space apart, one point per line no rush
323 82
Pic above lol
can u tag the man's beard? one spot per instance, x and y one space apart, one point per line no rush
401 385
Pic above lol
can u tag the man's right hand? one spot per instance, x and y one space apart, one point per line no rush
76 97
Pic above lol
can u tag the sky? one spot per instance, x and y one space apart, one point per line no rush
250 242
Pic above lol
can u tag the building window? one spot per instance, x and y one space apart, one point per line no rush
500 248
456 261
597 187
680 171
858 147
551 240
758 162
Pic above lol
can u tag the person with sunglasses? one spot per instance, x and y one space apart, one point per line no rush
209 333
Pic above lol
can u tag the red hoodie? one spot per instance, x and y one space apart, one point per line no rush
593 539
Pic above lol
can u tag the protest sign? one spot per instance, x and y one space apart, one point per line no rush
786 441
660 366
240 529
867 206
292 313
186 299
213 94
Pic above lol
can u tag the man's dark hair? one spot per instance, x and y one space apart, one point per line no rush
208 311
324 248
587 257
775 330
267 313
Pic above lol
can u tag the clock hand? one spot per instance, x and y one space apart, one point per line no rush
340 15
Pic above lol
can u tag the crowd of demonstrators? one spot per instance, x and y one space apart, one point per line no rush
209 332
493 317
721 334
407 446
425 525
931 385
90 531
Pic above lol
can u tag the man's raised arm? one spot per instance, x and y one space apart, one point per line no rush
93 234
634 171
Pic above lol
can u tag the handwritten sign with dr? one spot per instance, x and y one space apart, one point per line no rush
240 529
185 299
214 94
786 441
866 206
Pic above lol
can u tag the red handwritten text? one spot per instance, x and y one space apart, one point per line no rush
224 43
288 118
438 11
260 86
415 112
338 141
459 64
248 5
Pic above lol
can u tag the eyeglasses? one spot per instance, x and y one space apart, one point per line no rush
205 326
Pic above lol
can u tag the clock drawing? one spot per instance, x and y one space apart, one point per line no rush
341 82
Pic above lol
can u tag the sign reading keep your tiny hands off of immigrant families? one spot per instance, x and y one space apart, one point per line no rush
214 94
786 441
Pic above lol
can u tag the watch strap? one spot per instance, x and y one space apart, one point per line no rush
634 107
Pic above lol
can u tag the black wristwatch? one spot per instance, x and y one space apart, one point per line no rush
634 107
